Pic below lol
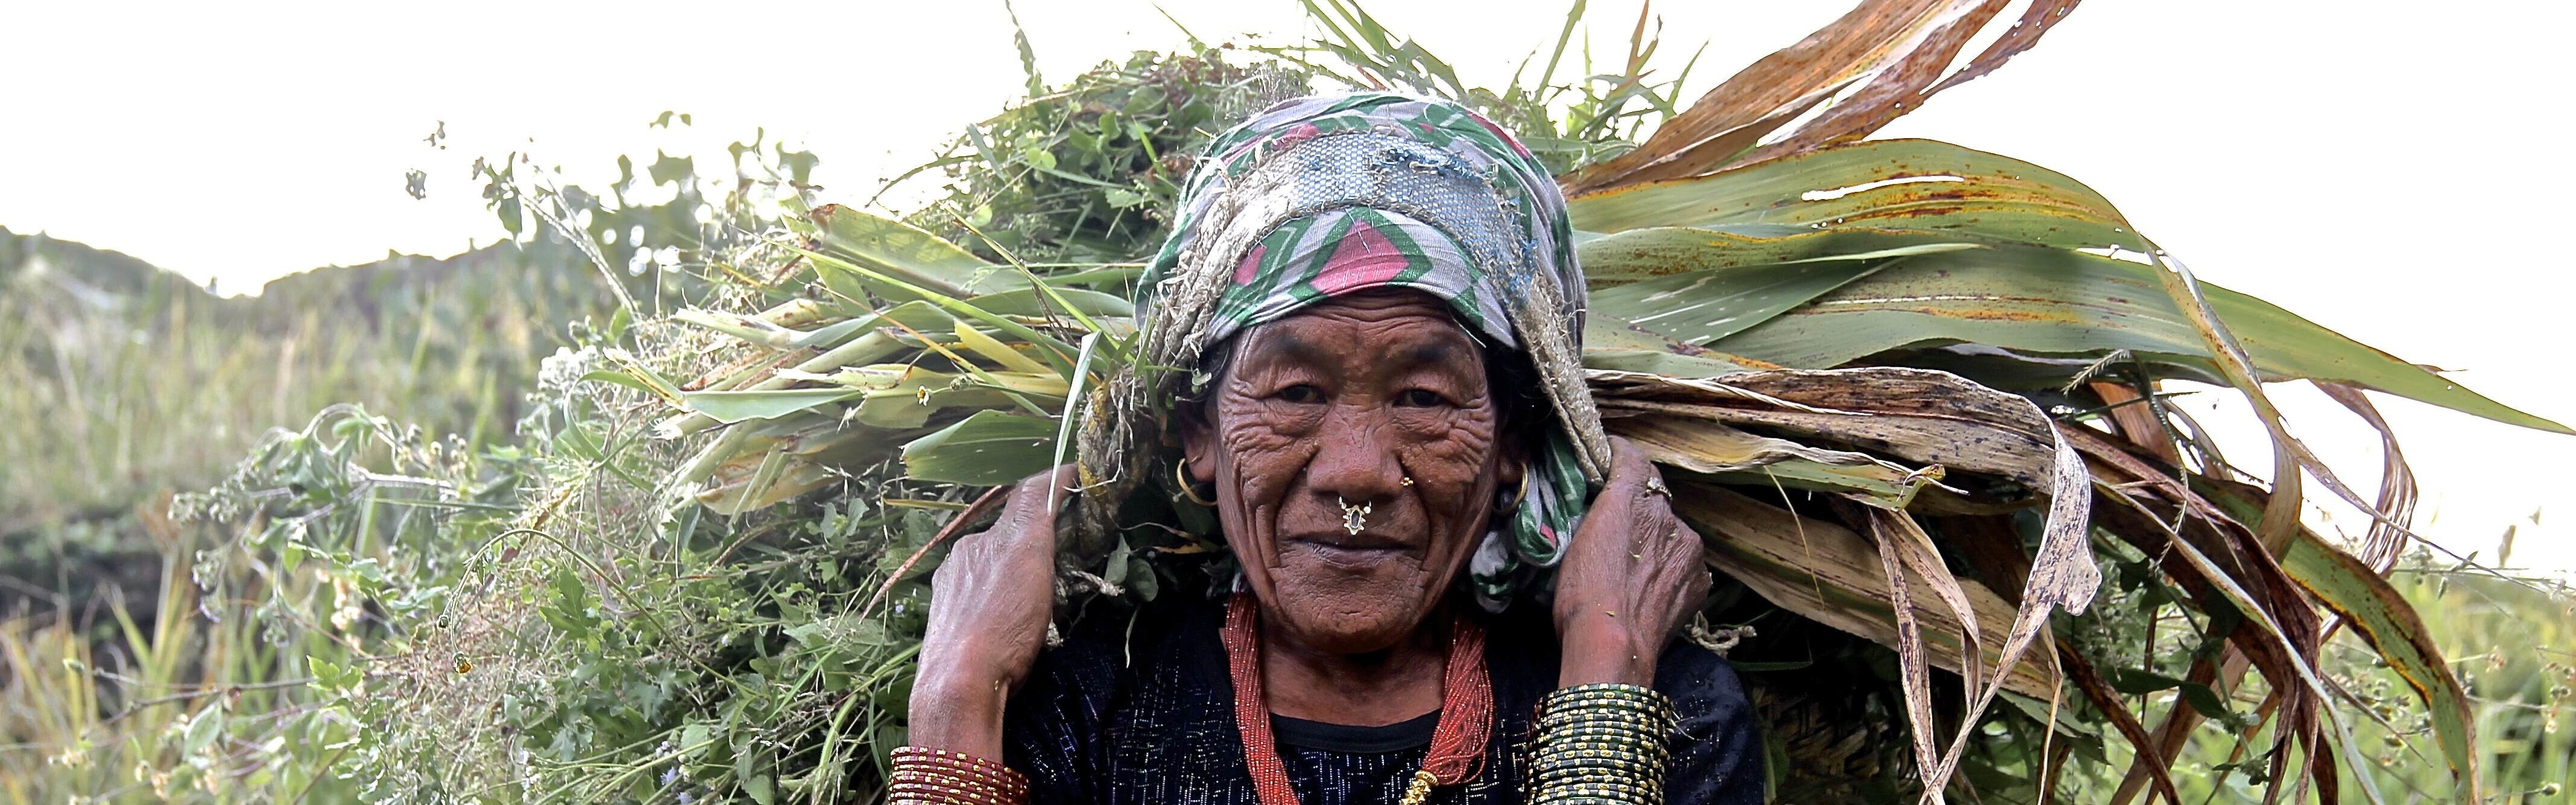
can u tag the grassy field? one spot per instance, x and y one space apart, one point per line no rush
129 384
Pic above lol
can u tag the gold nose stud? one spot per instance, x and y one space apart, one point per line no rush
1354 518
1408 481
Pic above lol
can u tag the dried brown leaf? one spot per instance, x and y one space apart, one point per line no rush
1898 53
1770 93
1900 87
1918 415
2387 538
1829 574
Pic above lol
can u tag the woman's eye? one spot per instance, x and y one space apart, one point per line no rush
1419 398
1301 394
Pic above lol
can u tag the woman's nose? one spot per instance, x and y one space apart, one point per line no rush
1354 458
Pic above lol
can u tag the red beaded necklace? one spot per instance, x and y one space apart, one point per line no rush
1457 744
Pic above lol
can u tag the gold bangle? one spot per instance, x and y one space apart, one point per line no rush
1603 718
1598 750
1647 767
924 775
1601 759
1572 707
1637 735
1606 690
1631 793
1610 782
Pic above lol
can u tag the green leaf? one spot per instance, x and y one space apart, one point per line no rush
736 406
2136 682
990 448
2068 303
203 729
1141 579
2199 697
2205 700
569 608
2391 626
1668 364
1025 302
1055 352
1703 306
618 378
1637 255
652 382
1920 185
332 676
907 253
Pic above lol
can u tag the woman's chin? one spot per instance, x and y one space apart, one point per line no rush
1346 618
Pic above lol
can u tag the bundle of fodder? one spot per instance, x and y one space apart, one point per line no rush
1904 379
1910 392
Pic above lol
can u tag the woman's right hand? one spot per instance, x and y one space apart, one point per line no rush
990 604
1633 573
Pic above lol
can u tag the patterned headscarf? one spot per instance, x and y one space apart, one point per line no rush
1330 195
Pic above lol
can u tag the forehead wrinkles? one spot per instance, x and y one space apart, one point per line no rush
1357 342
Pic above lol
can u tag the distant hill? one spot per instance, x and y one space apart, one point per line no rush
126 382
106 281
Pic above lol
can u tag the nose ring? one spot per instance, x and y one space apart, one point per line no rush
1354 518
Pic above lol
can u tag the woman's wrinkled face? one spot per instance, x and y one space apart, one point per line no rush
1340 404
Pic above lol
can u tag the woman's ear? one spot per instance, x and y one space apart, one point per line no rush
1198 441
1511 460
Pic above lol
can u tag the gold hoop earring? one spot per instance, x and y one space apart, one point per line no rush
1521 494
1181 476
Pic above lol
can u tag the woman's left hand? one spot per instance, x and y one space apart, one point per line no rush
1632 575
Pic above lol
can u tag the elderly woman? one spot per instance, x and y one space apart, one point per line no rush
1363 339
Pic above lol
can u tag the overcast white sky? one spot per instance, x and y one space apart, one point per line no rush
2387 170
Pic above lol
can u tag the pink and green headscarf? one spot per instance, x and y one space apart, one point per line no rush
1329 195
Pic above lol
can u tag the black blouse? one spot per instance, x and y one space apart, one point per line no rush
1141 710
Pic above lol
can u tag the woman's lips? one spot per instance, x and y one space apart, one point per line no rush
1361 550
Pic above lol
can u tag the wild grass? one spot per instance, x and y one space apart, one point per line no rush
131 668
2513 641
102 705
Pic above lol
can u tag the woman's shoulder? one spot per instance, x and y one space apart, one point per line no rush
1718 756
1697 678
1107 648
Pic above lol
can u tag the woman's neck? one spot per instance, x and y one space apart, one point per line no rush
1373 689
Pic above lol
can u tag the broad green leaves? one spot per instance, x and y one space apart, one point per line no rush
730 407
907 253
2057 302
1816 260
990 448
1700 307
1911 185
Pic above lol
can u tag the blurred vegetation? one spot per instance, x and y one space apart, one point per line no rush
474 583
130 383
